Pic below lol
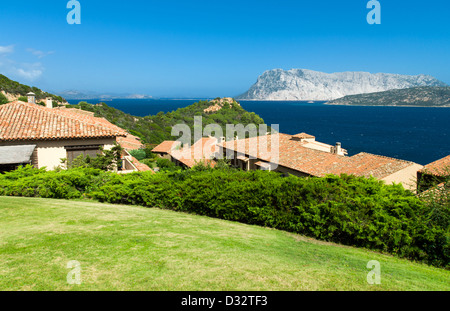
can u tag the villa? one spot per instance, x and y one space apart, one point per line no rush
301 155
165 149
202 151
42 136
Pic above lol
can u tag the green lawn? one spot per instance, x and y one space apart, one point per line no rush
135 248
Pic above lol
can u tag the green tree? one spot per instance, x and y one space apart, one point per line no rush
107 160
3 99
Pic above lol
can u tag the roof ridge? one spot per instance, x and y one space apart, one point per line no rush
69 115
438 160
30 121
437 167
385 157
85 118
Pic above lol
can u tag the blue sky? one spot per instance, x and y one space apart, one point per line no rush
214 48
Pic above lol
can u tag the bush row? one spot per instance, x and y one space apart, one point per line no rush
348 210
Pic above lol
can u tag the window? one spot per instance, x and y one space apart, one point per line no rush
75 151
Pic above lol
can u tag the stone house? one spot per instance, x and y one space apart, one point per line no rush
301 155
45 135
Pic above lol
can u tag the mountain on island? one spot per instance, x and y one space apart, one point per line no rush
304 84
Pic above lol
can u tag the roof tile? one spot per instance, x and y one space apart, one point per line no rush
26 121
295 155
440 167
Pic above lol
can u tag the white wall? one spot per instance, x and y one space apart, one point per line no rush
407 177
50 152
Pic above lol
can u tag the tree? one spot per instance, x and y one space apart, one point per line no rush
3 99
107 160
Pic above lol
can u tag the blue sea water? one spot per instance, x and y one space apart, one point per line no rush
417 134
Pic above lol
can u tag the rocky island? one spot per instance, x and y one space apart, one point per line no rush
308 85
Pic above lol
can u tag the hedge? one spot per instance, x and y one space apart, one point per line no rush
344 209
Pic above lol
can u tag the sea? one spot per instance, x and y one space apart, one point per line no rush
417 134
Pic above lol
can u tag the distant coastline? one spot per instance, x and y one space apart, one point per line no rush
428 96
399 106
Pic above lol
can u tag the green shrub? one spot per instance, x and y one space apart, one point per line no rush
166 165
3 99
65 184
150 163
344 209
139 154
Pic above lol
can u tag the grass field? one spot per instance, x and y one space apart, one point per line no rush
135 248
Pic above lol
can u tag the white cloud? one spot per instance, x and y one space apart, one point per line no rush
26 71
32 74
29 71
39 54
16 69
6 49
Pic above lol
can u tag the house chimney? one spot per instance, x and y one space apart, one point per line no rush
31 98
49 102
338 148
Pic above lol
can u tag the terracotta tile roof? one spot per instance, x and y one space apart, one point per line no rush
294 155
166 146
366 164
88 117
141 167
25 121
440 167
201 152
435 191
303 135
130 142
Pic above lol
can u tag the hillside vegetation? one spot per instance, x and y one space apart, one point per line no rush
416 96
16 89
155 129
134 248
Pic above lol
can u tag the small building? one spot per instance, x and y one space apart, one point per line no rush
56 133
433 174
301 155
165 148
202 151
